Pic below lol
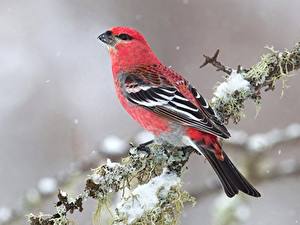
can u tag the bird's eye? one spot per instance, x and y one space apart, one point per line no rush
125 37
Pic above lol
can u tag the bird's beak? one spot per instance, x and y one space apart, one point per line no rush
108 38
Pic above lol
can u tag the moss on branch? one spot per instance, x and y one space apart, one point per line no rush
272 67
139 167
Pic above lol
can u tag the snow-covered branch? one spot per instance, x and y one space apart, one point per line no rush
150 175
46 187
243 84
155 167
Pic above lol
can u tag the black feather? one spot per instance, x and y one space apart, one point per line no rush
231 179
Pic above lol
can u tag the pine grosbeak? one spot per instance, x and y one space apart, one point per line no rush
167 105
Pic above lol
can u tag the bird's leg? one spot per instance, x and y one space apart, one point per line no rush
189 149
143 147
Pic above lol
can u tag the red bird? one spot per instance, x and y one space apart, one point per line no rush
167 105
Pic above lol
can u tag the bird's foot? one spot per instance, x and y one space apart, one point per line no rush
144 147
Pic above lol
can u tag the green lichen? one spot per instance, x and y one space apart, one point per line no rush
232 106
46 220
272 67
166 212
103 207
138 168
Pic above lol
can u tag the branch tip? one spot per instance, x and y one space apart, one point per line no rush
215 63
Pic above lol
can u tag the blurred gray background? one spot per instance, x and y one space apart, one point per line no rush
57 100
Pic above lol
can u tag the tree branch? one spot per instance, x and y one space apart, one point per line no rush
160 166
243 84
215 63
239 139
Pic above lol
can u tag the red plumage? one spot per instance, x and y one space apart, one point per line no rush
164 103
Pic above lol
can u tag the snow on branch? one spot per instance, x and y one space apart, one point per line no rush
243 84
151 173
36 196
153 167
145 199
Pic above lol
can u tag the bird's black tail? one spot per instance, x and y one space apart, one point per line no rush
232 180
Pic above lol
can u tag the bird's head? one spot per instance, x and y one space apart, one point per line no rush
117 37
127 47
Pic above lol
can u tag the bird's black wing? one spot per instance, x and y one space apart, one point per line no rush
154 93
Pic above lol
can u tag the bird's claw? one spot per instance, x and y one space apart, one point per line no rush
144 147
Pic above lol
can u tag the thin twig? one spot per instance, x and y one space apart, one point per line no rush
215 63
